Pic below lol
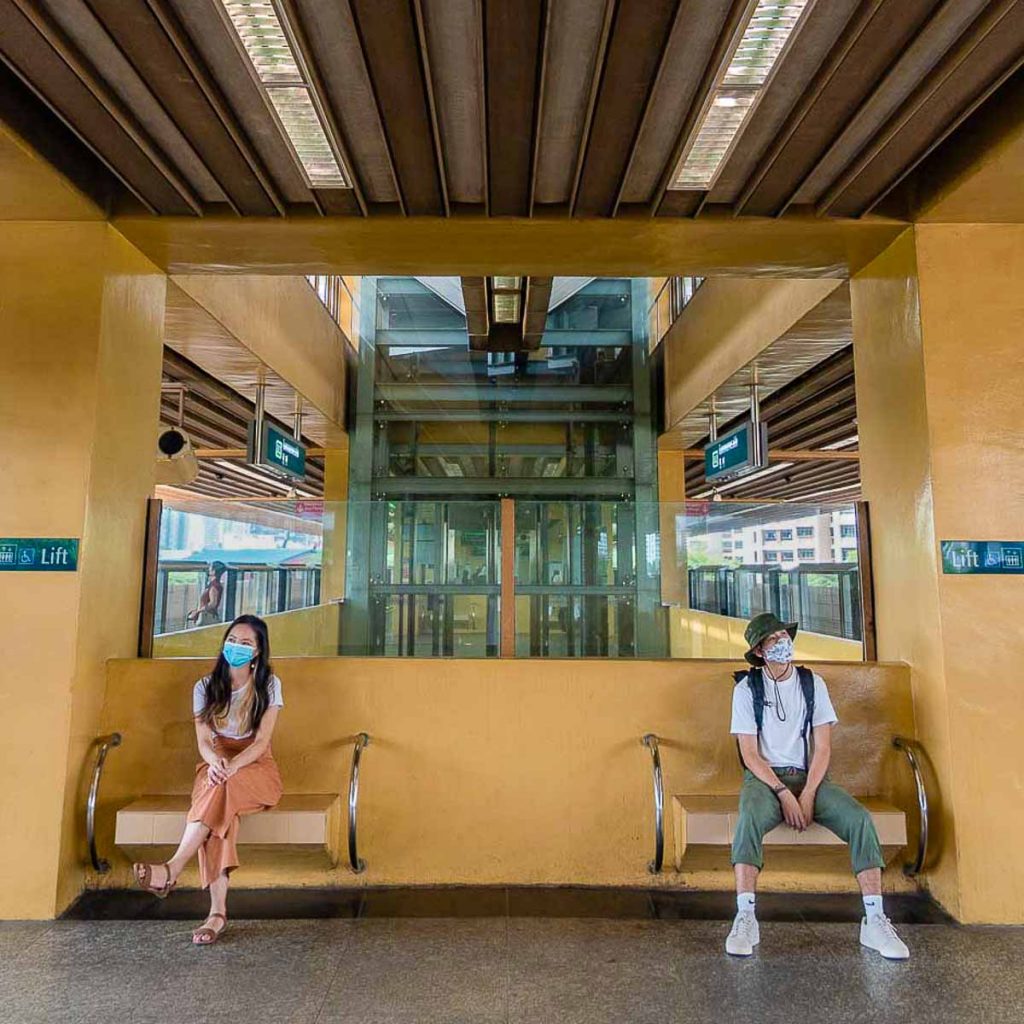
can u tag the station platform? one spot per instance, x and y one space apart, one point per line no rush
455 955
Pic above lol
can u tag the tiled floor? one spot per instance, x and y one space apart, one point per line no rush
422 970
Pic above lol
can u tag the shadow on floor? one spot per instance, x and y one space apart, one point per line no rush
485 901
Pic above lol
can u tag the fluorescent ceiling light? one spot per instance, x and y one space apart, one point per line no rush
507 283
267 42
506 307
750 66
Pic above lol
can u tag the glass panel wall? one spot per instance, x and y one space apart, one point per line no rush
588 576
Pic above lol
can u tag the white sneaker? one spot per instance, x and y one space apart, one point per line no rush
745 935
877 933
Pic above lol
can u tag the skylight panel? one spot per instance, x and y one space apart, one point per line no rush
750 67
506 307
268 45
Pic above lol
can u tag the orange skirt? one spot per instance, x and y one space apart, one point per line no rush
255 787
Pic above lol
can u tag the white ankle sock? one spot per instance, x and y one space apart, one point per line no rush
745 901
872 906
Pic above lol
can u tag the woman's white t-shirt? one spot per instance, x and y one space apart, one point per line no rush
235 724
781 743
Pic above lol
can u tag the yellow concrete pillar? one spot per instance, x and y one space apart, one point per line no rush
82 314
335 522
672 495
938 319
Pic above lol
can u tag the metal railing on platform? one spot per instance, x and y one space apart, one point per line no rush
99 864
651 742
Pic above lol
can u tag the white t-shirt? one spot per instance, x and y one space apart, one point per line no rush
235 724
781 743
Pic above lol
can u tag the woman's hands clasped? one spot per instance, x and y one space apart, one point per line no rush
219 771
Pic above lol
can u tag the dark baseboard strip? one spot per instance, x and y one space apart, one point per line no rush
488 901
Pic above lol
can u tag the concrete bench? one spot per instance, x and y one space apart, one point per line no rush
704 827
309 825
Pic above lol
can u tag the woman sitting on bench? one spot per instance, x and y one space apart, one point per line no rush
235 709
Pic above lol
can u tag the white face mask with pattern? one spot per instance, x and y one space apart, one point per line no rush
781 651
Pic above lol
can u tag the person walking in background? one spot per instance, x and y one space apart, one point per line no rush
782 719
235 709
207 613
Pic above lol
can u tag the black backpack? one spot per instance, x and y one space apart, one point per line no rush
755 680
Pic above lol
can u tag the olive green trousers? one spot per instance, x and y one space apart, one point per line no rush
834 808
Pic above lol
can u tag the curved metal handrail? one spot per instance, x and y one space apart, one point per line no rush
907 746
358 865
651 742
100 864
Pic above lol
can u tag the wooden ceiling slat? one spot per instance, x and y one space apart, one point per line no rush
336 50
389 37
124 118
478 320
323 101
435 124
575 43
936 37
988 53
452 40
204 82
137 33
218 48
31 57
871 45
688 53
823 28
728 39
513 50
636 46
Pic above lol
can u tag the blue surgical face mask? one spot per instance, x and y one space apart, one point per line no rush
237 655
781 651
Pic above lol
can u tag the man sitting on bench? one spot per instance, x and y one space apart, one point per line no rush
782 719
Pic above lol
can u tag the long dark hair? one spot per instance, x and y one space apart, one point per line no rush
218 682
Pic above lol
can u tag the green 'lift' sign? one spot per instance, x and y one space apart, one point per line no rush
732 455
985 557
281 452
38 554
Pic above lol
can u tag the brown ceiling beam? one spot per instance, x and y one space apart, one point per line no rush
867 51
111 103
390 41
986 55
633 59
732 31
514 47
535 311
152 41
478 319
323 99
435 124
595 89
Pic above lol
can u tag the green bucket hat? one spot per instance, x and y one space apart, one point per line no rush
760 627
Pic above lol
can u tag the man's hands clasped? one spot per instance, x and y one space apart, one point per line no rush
798 813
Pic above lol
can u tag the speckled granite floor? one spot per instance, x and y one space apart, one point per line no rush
481 969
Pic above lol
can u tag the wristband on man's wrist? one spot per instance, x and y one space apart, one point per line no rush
777 790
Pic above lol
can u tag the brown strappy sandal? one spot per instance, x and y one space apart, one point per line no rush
214 933
144 880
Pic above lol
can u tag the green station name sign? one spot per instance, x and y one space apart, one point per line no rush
281 452
732 455
984 557
38 554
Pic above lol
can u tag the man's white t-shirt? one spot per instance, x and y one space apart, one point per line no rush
235 724
781 743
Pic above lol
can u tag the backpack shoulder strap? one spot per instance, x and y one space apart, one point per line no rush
806 677
755 680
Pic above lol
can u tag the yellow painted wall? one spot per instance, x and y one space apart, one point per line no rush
974 379
696 634
285 325
727 323
498 771
938 321
305 632
82 314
